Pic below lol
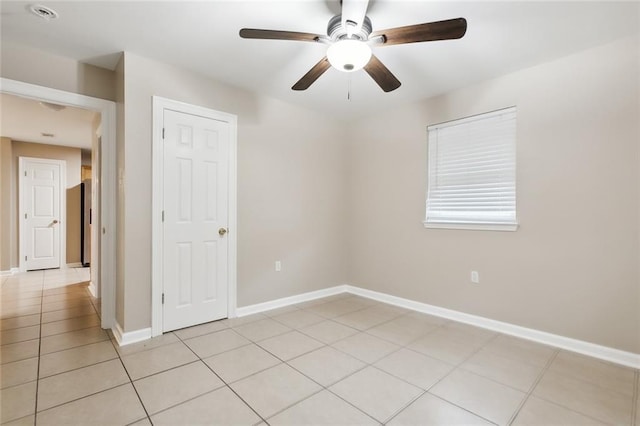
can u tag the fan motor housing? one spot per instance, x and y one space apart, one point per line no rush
336 31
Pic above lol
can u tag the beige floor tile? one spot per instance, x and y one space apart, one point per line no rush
537 411
262 329
18 295
376 393
63 297
18 311
521 350
20 302
18 322
586 398
161 358
221 407
445 346
323 408
23 421
18 372
403 330
66 304
479 395
365 347
215 343
239 363
431 410
72 324
290 345
638 402
71 359
18 351
337 307
329 331
239 321
72 339
326 365
66 387
67 313
142 422
17 402
199 330
117 406
601 373
272 390
155 342
185 382
279 311
415 368
477 335
298 319
19 334
508 371
366 318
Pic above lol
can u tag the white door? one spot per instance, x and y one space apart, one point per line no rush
40 209
195 206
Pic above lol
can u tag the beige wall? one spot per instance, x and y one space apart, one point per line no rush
291 175
37 67
5 204
572 267
72 157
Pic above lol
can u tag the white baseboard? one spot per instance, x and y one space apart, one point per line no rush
617 356
291 300
11 271
93 289
130 337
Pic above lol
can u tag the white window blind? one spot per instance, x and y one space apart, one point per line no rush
472 172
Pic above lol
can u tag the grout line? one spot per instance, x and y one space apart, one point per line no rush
130 381
35 408
221 379
533 386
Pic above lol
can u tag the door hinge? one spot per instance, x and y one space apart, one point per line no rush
25 258
163 215
163 298
25 215
163 133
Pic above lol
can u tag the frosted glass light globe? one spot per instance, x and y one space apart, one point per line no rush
349 55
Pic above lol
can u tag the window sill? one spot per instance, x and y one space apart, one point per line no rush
472 226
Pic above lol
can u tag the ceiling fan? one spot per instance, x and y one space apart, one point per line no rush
350 37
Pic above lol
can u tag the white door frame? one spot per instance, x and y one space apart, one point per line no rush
159 105
62 220
107 110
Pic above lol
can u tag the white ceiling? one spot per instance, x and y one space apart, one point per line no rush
25 120
203 36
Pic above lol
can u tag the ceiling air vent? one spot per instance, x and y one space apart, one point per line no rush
43 12
47 135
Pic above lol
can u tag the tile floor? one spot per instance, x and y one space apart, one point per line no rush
342 360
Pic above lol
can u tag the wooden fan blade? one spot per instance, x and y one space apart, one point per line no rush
278 35
381 74
430 31
314 73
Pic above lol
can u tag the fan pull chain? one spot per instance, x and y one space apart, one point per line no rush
349 87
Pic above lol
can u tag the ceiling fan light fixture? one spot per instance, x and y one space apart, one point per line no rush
349 55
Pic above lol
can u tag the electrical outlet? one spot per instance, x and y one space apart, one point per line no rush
278 266
475 277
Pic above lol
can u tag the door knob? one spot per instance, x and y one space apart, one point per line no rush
55 221
222 231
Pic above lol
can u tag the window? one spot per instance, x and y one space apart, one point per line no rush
472 172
